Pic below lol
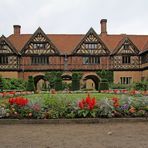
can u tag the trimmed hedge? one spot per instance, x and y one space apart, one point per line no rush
30 84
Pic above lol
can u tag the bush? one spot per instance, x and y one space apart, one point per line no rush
141 86
119 86
30 84
1 84
104 85
13 84
76 81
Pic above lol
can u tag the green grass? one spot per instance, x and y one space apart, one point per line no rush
98 96
78 96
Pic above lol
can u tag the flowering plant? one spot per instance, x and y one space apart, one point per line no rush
87 107
18 101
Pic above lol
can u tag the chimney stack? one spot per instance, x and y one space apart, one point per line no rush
17 29
103 23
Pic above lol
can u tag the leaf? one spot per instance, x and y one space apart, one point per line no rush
93 114
85 113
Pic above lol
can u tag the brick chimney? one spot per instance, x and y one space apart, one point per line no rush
103 23
17 29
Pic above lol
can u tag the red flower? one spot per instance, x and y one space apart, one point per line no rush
81 105
88 103
18 101
115 102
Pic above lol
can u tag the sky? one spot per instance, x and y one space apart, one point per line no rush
74 16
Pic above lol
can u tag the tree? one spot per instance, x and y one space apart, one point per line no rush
30 84
106 74
55 79
1 83
76 81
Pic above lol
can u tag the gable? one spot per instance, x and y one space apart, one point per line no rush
126 46
91 44
39 44
6 47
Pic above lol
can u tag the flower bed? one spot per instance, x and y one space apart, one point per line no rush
14 93
22 108
124 91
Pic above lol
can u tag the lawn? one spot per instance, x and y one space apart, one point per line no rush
76 96
71 97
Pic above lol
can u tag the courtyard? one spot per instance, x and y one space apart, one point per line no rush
108 135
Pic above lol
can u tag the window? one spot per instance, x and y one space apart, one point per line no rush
126 46
125 80
144 58
38 45
91 46
91 60
40 60
126 59
3 59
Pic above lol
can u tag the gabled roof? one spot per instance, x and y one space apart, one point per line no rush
39 30
66 43
91 31
3 38
122 42
145 49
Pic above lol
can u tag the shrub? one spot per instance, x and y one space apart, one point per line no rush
1 84
30 84
76 81
141 85
119 86
104 85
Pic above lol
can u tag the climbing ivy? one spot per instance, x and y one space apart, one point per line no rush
106 75
55 79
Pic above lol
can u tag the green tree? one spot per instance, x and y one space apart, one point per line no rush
55 79
76 81
106 74
30 84
1 83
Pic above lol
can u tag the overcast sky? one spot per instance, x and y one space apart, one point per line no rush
74 16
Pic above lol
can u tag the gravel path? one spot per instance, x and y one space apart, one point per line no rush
108 135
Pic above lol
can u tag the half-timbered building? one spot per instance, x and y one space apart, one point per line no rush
23 55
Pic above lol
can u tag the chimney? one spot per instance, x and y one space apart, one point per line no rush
17 29
103 23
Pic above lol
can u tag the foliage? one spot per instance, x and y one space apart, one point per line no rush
141 85
76 80
30 84
55 79
106 74
87 107
13 84
103 85
51 108
1 83
119 86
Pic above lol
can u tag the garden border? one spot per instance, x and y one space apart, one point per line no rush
71 121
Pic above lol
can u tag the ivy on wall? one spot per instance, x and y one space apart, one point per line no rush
55 79
106 75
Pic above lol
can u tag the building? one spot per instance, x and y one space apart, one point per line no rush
22 55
